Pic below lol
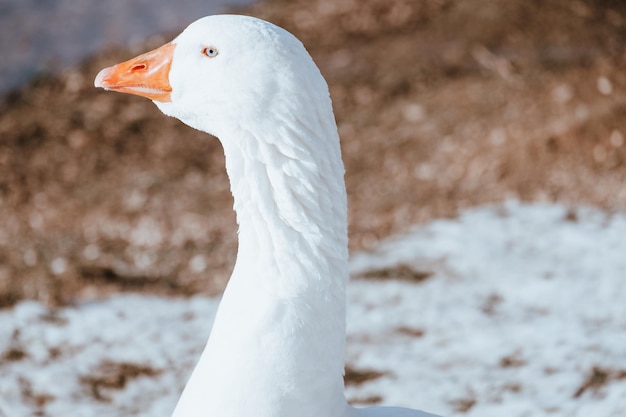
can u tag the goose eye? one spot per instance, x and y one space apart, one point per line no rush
209 51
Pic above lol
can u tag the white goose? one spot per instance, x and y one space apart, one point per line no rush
277 345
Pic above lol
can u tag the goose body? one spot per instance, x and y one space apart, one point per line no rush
278 341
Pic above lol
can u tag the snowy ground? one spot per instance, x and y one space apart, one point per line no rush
515 310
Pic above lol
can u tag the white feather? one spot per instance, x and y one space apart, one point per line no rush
278 342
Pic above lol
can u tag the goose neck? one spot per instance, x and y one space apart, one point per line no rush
277 345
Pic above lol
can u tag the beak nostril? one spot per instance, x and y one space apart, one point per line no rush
138 67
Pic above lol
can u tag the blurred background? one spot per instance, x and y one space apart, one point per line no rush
47 36
441 105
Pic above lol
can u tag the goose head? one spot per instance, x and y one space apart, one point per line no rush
223 71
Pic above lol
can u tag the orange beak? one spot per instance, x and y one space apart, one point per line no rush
146 75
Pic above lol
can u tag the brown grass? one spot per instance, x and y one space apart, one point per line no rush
441 105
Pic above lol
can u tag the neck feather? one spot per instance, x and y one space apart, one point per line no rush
277 345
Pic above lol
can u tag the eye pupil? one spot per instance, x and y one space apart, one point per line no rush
209 51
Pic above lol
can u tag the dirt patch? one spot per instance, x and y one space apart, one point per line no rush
441 105
401 271
15 351
411 331
366 401
598 378
36 399
512 361
463 405
13 355
353 376
114 376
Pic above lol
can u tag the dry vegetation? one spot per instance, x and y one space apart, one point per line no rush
441 105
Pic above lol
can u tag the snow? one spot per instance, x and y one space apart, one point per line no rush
508 310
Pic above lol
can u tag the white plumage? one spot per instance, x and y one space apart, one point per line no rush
278 341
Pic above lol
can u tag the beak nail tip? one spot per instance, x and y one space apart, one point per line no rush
99 81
